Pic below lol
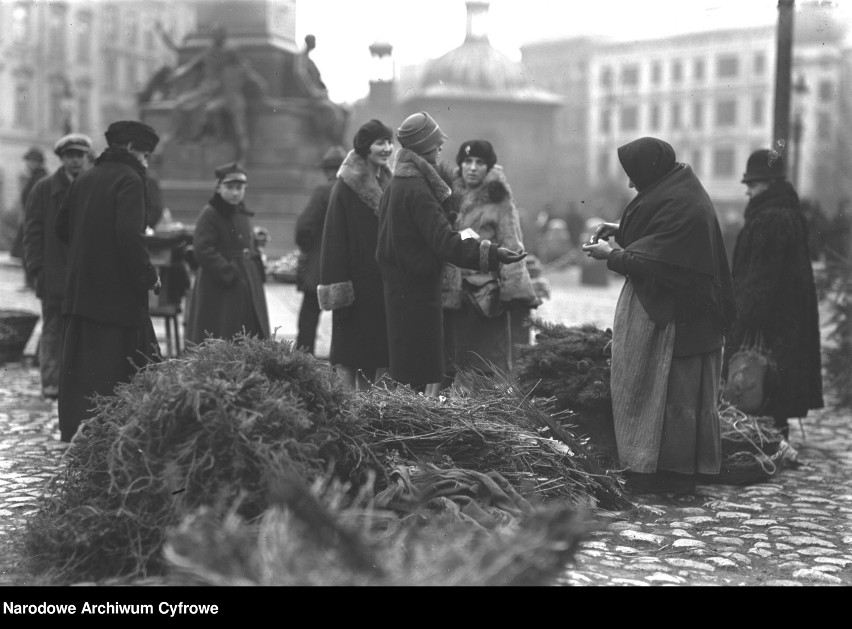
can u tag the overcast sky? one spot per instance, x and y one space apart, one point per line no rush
425 29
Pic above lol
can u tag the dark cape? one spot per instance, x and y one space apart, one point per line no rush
672 221
228 294
775 293
350 279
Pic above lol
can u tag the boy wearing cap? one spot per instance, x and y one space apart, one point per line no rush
309 227
228 295
774 290
107 330
46 256
415 239
35 171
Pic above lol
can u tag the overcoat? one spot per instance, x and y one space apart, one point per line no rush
107 331
775 293
228 293
350 279
309 229
415 239
45 255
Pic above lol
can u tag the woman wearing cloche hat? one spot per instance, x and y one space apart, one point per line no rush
415 239
228 295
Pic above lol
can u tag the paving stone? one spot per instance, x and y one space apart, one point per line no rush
761 522
836 561
758 536
722 562
698 519
801 540
634 582
662 577
783 583
815 575
688 543
678 562
680 533
817 551
639 536
732 515
730 541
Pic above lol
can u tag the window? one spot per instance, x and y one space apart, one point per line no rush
824 126
83 109
655 117
757 110
677 72
132 74
727 66
723 162
111 24
23 106
826 91
677 120
697 115
56 29
759 63
110 72
606 121
696 161
629 118
56 113
606 77
726 113
20 24
83 28
630 75
698 69
132 24
603 165
656 73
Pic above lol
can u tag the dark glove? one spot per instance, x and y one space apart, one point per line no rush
507 256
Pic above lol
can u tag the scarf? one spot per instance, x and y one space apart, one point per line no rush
355 173
410 164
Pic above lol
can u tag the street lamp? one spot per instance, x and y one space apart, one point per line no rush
800 88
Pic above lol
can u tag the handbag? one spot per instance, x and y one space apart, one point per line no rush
748 374
484 298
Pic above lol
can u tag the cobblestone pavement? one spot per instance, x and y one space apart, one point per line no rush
794 530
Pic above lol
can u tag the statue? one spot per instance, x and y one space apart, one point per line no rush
211 91
328 118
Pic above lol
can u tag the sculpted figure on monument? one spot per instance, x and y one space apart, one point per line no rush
212 91
328 118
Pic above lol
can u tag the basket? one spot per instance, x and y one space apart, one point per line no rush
16 326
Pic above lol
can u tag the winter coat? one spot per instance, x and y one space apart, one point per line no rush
46 257
27 184
309 228
228 293
775 293
415 239
102 220
350 279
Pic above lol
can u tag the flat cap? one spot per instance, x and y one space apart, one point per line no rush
73 142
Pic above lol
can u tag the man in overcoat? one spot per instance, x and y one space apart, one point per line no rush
309 226
35 171
46 256
108 332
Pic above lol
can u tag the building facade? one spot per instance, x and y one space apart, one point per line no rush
76 65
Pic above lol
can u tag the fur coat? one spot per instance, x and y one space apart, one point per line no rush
775 293
490 211
350 279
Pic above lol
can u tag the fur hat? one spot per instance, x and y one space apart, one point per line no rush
72 142
231 172
35 154
477 148
369 133
764 165
143 137
420 133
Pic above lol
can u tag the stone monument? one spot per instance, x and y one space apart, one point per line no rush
243 90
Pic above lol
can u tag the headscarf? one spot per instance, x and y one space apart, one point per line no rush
646 160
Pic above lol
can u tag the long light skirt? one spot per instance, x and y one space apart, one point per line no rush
664 408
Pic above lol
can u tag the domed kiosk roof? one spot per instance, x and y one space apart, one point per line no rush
478 70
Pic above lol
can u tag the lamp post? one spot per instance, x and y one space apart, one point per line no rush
800 88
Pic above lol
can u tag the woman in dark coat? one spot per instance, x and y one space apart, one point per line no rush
228 295
415 239
350 280
775 292
670 320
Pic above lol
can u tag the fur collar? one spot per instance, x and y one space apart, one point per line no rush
494 189
410 164
355 173
122 156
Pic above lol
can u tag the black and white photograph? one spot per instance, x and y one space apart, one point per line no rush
400 293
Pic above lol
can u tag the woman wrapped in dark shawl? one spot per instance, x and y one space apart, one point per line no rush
670 321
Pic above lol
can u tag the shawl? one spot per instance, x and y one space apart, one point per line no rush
672 221
410 164
356 174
